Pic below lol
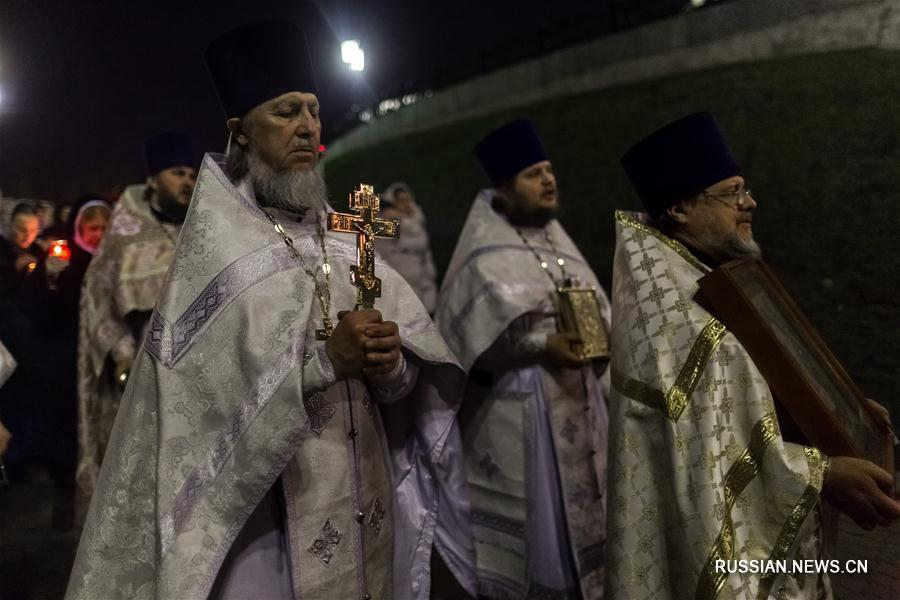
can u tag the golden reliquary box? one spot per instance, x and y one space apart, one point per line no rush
579 313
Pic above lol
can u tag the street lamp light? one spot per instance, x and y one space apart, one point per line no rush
353 55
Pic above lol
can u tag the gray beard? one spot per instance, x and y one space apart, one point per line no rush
293 191
733 247
737 247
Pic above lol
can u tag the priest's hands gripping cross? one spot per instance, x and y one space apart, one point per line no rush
363 345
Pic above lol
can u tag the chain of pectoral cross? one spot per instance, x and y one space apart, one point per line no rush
367 227
323 292
560 261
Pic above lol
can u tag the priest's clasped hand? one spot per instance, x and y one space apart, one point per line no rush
363 345
862 490
562 351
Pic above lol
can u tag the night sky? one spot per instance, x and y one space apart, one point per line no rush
84 83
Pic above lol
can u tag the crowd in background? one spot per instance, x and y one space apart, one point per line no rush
43 258
45 250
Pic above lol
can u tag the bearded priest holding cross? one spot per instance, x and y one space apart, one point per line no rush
269 445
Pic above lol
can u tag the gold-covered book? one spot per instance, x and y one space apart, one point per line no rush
579 313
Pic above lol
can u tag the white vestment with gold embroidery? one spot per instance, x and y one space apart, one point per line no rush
698 470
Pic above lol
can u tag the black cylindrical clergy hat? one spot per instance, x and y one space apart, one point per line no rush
258 62
507 150
678 161
166 150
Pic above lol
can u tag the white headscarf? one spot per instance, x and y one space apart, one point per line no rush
77 236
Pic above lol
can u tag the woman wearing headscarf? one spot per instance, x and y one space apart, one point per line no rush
84 231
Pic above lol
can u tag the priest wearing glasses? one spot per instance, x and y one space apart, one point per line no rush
700 475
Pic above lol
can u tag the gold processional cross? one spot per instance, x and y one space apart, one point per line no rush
367 227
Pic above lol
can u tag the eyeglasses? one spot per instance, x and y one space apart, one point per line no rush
736 199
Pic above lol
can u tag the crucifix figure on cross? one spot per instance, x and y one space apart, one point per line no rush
367 227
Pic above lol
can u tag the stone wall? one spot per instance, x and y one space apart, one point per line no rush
721 34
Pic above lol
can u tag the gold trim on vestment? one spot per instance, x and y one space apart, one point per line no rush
816 461
741 473
638 390
626 218
675 400
678 396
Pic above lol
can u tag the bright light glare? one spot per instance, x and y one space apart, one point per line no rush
353 55
349 49
698 3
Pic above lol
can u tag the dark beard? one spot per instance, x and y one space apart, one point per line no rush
538 217
293 191
167 208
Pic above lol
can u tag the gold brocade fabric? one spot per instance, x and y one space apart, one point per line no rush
698 471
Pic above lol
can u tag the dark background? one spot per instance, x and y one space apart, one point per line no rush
818 137
84 83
